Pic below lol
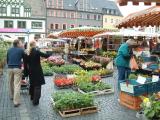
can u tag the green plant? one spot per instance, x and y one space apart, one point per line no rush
47 71
89 86
132 76
110 54
103 72
102 86
72 100
151 108
66 69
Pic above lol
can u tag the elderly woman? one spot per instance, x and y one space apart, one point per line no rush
35 72
122 60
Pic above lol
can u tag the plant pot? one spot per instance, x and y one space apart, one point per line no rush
140 115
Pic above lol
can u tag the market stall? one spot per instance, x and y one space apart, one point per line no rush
51 45
112 40
81 31
144 79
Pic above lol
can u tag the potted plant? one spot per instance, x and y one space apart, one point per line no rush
151 108
73 103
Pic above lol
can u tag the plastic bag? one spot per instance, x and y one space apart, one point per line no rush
133 64
110 65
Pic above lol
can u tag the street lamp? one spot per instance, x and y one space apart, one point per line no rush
28 32
45 4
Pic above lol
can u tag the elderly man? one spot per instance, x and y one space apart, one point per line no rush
14 58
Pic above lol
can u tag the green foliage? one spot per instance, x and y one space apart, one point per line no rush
4 46
110 54
47 71
132 76
103 72
102 86
72 100
151 108
66 69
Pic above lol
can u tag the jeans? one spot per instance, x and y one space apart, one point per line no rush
123 74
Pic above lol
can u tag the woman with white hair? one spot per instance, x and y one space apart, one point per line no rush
35 72
122 60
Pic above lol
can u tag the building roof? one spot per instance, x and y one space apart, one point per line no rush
37 7
93 5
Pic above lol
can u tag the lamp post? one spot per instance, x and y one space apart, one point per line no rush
45 4
76 8
28 32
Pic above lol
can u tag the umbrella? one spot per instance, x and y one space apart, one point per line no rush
81 31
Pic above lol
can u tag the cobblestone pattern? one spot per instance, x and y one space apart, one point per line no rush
108 105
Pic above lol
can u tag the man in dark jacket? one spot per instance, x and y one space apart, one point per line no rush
14 58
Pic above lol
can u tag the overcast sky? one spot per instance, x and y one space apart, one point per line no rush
130 8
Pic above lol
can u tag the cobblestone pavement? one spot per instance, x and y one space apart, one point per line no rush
108 105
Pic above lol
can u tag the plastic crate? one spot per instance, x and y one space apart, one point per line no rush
153 87
129 101
134 89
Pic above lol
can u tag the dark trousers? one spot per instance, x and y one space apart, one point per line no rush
123 74
35 92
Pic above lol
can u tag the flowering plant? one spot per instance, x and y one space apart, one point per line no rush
151 107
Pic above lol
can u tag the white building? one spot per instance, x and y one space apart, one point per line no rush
17 21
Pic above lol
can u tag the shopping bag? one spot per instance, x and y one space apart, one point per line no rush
110 65
133 64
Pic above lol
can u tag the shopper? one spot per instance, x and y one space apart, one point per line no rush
14 58
35 72
122 60
66 51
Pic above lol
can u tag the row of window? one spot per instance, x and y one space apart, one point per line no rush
110 11
63 26
55 3
14 10
22 24
111 20
73 15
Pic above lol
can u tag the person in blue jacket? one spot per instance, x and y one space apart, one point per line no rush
122 60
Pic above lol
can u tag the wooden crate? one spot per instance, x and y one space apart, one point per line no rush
70 113
103 92
89 110
76 112
131 102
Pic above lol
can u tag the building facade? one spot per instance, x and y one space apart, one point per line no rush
17 20
64 14
111 17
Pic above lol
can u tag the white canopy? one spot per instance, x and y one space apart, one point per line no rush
127 33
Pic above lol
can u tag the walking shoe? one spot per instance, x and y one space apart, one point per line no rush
16 105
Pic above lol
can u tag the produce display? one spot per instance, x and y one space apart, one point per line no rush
89 86
56 60
109 54
63 81
66 69
104 72
77 61
102 60
72 100
90 65
47 71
